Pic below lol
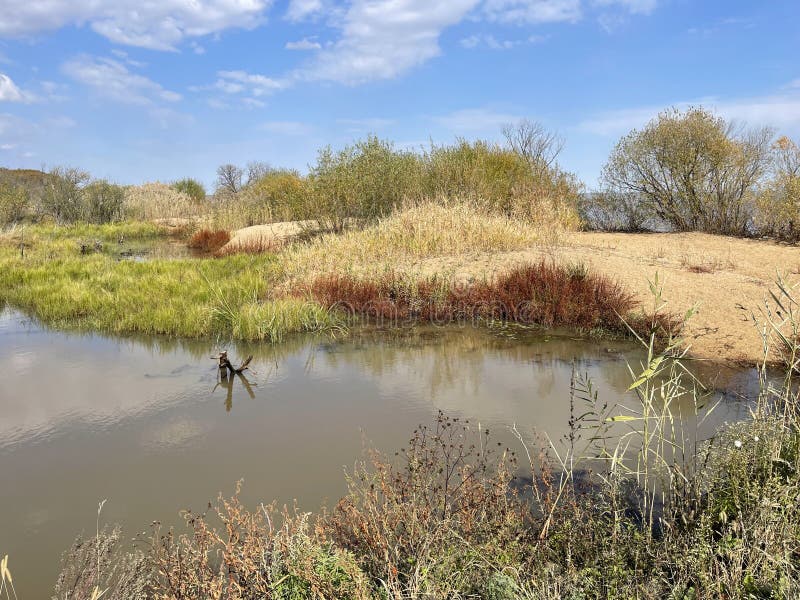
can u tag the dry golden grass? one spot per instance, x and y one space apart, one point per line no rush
158 201
421 232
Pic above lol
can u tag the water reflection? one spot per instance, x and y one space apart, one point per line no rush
227 383
141 421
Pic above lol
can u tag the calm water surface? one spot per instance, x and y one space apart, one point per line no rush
145 424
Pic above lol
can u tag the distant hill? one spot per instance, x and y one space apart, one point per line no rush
24 177
32 180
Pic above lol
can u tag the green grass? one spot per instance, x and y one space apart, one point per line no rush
181 297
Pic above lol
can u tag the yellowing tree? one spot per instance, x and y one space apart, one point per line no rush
779 203
693 170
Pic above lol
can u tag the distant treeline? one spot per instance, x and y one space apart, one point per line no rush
684 171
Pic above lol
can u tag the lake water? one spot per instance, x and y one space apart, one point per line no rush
145 424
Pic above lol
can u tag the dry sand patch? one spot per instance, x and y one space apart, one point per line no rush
725 278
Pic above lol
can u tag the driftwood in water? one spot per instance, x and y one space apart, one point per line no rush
225 364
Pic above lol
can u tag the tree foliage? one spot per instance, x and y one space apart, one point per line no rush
779 202
103 202
693 170
192 188
229 179
63 196
362 181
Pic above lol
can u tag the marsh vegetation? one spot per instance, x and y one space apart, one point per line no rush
629 504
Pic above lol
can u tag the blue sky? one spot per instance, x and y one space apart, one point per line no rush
140 91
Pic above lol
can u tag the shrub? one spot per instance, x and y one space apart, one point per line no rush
62 197
192 188
103 202
253 557
98 567
14 203
693 170
280 195
363 182
778 204
501 180
208 241
426 525
477 171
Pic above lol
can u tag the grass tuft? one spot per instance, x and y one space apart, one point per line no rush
209 241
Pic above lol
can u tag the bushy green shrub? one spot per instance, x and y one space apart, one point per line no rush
363 182
103 202
501 180
192 188
280 195
14 203
62 198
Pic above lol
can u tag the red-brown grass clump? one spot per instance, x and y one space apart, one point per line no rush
543 294
209 241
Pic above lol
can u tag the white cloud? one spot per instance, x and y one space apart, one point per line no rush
9 92
242 82
124 57
112 79
382 39
493 43
776 110
304 44
158 25
286 128
475 120
253 103
302 9
533 11
636 7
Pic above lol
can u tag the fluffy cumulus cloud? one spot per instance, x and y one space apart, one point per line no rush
112 79
9 92
382 39
158 25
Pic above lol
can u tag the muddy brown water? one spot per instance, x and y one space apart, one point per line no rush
143 423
